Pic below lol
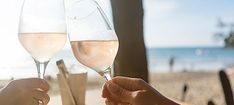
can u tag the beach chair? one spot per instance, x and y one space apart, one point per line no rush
227 90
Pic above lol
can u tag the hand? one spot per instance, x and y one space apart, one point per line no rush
25 92
132 91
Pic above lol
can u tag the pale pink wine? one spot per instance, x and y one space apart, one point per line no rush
95 54
42 46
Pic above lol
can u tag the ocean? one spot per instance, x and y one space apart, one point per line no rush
190 59
185 59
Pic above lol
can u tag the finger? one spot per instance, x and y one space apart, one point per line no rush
34 83
108 102
132 84
105 92
111 102
122 104
42 96
118 93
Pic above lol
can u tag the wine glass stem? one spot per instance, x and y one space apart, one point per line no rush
107 74
41 67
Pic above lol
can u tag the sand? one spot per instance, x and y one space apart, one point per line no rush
202 87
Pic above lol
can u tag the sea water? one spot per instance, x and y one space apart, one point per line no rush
190 59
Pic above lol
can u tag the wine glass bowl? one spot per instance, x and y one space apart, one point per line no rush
93 41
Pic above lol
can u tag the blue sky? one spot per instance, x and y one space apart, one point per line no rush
173 23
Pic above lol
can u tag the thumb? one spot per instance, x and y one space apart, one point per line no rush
118 93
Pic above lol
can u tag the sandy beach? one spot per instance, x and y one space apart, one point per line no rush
202 86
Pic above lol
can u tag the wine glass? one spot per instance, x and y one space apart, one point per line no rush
42 30
94 42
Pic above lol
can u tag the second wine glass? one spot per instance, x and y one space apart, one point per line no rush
93 40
